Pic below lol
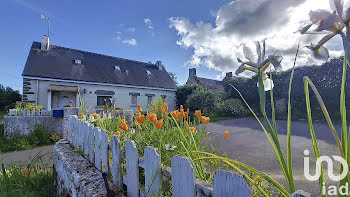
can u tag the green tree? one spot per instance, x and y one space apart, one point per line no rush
8 96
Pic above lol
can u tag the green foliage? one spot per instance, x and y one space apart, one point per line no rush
8 96
183 92
28 106
38 137
32 179
231 108
326 77
204 99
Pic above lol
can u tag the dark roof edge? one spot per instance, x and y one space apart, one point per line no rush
97 83
78 50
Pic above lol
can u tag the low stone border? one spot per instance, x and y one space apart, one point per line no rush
74 175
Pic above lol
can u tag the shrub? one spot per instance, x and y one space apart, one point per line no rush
28 106
183 92
231 108
8 96
38 137
204 99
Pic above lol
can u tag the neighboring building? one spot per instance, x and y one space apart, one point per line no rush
53 75
209 83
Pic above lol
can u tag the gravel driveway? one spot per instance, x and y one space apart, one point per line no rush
247 143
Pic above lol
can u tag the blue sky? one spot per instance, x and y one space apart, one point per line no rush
105 28
207 34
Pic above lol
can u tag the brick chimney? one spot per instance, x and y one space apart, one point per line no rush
45 43
159 65
229 75
192 73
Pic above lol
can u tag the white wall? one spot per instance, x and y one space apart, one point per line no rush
123 99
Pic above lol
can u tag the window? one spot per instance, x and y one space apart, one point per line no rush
149 99
103 100
133 100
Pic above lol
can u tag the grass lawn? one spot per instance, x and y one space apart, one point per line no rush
31 180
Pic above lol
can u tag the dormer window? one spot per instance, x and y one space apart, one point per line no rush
77 61
148 72
117 68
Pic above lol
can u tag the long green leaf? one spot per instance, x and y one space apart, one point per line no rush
312 132
289 119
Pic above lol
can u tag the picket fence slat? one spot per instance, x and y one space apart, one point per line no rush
86 140
98 148
116 170
152 172
230 184
91 139
104 151
132 169
182 179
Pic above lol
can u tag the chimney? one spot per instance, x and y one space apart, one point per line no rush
159 65
229 75
192 72
45 43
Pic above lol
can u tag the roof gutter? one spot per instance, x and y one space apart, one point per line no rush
96 83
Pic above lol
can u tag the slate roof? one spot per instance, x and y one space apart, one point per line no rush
211 84
58 63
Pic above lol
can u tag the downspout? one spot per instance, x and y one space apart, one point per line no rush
36 92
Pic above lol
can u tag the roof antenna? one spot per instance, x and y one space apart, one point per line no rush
48 22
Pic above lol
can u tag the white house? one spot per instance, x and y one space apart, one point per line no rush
53 75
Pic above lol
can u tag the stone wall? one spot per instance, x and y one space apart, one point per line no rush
22 125
74 175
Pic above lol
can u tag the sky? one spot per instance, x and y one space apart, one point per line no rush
206 34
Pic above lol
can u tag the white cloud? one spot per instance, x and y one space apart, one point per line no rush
148 23
245 21
131 42
131 29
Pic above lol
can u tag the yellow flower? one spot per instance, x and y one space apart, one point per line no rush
226 134
82 115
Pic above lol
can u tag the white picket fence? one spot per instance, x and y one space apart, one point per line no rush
15 112
93 142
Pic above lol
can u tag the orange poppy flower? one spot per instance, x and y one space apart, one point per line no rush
123 125
40 170
141 119
198 113
204 119
193 129
95 115
182 113
117 133
154 107
112 188
186 125
139 107
105 100
204 139
226 134
159 124
138 114
166 107
152 117
181 107
82 115
86 111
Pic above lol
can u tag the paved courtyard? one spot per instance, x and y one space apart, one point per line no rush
247 143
